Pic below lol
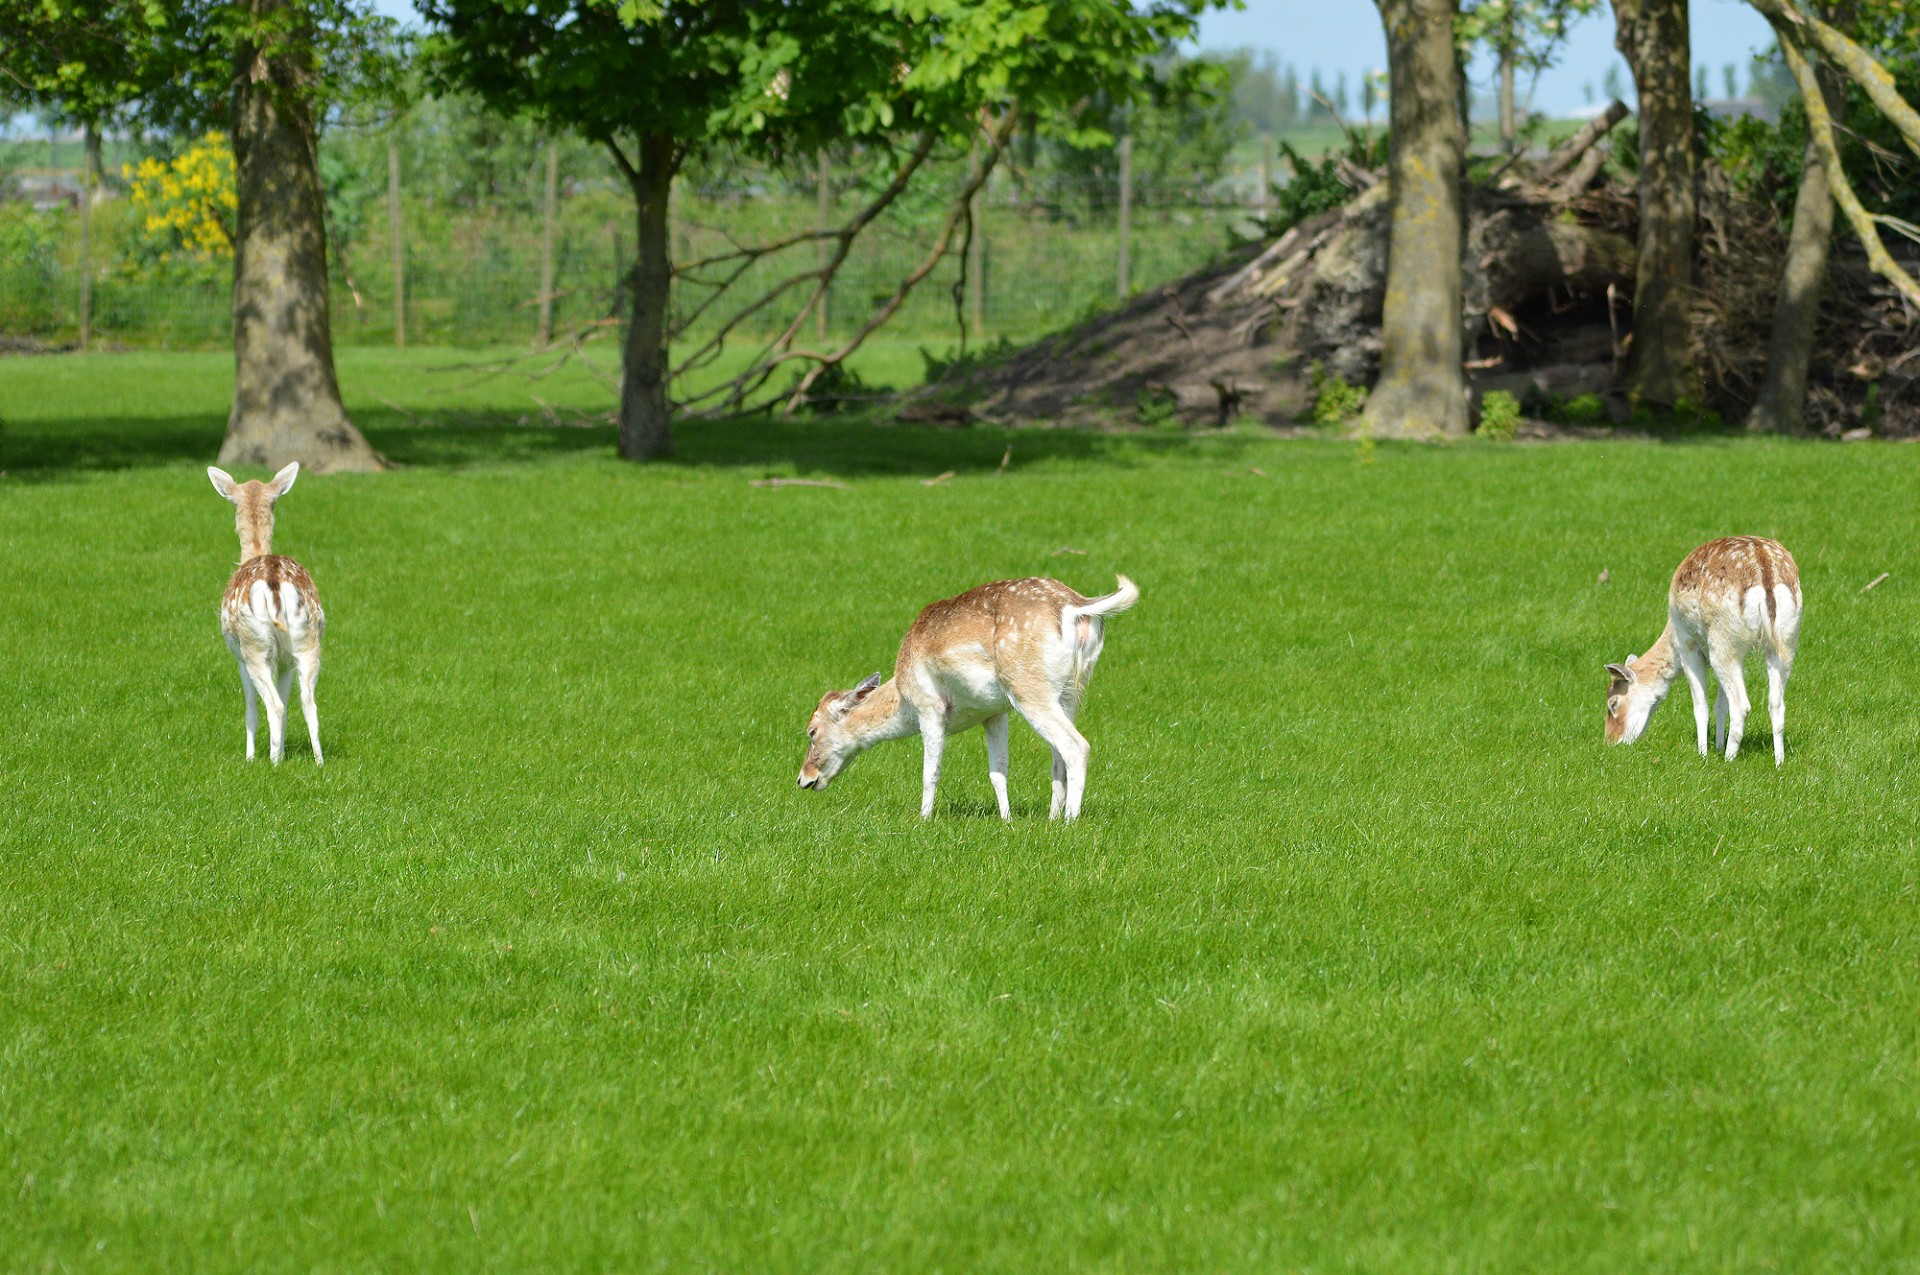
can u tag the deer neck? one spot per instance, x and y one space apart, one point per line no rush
256 535
1659 666
883 715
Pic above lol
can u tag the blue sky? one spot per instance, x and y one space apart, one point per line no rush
1344 35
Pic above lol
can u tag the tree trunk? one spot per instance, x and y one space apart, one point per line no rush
1509 127
1652 35
1421 389
1780 407
286 401
96 172
646 415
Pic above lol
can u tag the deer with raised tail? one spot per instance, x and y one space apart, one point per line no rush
1025 646
271 614
1729 598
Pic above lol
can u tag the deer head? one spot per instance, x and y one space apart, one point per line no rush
838 732
253 506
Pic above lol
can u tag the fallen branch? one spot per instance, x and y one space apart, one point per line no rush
1876 580
1571 150
795 482
937 479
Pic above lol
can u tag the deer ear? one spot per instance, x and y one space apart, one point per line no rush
866 688
283 481
222 481
1621 671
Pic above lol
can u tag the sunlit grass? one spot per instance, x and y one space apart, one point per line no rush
1367 955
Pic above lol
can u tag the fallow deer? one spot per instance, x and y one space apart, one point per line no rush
1729 598
271 614
1021 645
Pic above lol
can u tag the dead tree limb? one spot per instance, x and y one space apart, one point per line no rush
1568 152
1820 128
731 393
997 138
1860 66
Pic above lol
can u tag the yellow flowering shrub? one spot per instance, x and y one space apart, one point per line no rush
187 205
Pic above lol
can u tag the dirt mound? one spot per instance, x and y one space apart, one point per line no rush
1548 281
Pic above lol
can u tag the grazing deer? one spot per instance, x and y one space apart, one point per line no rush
1729 598
271 614
1026 645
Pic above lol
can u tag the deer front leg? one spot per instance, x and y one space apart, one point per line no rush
996 728
933 739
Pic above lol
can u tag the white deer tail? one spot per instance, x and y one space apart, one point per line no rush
1119 600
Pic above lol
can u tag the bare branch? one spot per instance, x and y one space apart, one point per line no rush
1820 129
734 392
1566 153
1860 66
996 143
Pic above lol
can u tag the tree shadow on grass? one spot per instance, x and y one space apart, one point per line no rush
840 446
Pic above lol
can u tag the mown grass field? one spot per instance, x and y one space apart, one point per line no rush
1368 955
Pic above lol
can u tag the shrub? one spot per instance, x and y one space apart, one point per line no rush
1334 401
1581 409
1499 415
1156 407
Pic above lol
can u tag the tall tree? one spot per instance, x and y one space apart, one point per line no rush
261 68
1780 405
657 84
1888 25
1523 36
1421 389
1653 36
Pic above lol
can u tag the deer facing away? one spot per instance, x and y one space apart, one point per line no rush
271 614
1022 645
1729 598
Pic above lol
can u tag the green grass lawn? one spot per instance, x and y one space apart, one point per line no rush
1368 954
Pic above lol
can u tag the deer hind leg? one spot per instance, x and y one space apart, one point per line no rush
1733 687
996 729
259 666
307 664
253 703
1070 752
1778 671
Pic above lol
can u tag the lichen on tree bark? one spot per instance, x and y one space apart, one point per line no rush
1421 389
286 398
1653 37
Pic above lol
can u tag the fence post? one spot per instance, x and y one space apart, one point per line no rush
1266 176
86 250
1125 280
546 244
399 247
977 265
823 251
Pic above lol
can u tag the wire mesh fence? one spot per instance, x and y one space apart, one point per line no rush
470 275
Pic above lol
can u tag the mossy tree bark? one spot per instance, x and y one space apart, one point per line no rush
1653 36
1780 407
286 400
646 411
1421 388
